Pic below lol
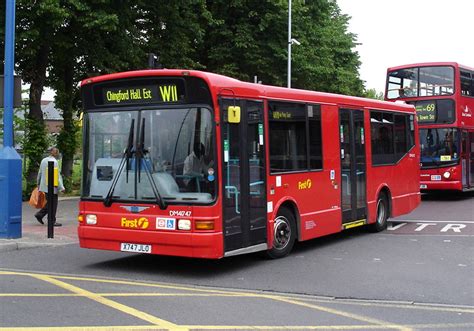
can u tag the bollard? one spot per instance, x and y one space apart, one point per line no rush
50 198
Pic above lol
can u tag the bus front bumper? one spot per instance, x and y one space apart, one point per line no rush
186 244
440 185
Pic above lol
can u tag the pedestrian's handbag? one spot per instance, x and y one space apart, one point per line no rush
37 199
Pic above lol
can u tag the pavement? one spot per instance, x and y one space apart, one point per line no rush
35 234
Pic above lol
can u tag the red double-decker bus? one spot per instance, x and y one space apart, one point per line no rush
194 164
443 95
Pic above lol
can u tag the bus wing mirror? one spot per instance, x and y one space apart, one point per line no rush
233 114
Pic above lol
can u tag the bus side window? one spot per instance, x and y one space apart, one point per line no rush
295 137
391 136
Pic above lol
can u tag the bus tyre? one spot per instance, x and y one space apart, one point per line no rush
284 234
382 214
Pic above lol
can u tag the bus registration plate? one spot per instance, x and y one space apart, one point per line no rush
136 248
435 177
423 186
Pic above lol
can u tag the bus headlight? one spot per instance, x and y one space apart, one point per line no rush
447 174
184 225
91 219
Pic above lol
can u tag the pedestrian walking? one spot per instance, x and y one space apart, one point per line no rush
43 185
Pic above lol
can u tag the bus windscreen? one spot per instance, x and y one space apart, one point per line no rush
177 155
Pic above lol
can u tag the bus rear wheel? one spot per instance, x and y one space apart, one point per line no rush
284 234
382 214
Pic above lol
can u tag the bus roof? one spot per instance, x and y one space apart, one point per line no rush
228 86
430 64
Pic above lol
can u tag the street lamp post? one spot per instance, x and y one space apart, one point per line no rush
291 41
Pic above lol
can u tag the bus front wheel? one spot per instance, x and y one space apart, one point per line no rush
284 234
382 214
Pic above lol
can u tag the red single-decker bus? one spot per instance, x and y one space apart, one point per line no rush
189 163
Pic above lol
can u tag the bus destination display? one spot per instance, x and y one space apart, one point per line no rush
426 112
169 92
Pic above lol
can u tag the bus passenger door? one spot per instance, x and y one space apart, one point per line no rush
244 184
353 165
470 158
464 159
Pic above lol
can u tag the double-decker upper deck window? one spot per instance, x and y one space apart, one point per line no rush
420 82
402 83
436 81
295 137
467 83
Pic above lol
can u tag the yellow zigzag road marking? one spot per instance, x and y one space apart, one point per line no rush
243 294
138 294
166 286
342 313
209 292
429 307
201 327
107 302
455 326
123 282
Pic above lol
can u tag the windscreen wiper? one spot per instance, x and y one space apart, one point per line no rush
177 140
124 161
140 155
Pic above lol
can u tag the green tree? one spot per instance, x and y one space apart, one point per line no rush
95 38
373 94
325 61
70 40
174 30
36 23
248 38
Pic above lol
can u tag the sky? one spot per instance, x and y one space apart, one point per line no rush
396 32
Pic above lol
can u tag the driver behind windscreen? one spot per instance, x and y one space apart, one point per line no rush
194 166
449 145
